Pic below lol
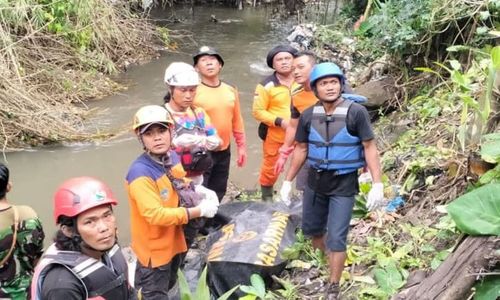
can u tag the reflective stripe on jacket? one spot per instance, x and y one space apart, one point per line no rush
101 281
330 146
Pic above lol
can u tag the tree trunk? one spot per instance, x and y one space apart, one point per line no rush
452 279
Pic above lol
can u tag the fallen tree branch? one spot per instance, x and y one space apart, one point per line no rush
453 279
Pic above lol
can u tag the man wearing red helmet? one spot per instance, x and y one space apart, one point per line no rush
85 262
161 204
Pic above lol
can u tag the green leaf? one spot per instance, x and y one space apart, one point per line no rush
457 48
482 30
455 64
389 279
484 15
364 279
248 297
259 285
228 294
183 286
495 57
478 212
490 148
490 176
248 289
202 292
488 289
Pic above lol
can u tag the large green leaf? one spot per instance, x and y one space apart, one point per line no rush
183 286
259 285
228 294
495 57
389 278
488 289
478 212
202 292
490 148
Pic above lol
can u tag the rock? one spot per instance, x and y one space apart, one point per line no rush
378 92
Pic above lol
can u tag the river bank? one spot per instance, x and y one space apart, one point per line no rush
420 141
57 55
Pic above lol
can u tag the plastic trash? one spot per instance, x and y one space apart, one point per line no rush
394 204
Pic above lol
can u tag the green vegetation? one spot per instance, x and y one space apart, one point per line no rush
202 291
443 57
55 53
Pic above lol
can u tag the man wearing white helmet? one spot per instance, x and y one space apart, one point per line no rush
194 135
161 204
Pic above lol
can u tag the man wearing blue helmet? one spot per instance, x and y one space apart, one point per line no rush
336 138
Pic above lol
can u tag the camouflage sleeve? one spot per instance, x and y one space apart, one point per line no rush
30 241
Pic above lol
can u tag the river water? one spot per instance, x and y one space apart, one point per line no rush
243 43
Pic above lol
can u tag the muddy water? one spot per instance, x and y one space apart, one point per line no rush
242 37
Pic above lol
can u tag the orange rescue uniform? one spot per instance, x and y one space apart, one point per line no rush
155 216
301 100
271 105
222 104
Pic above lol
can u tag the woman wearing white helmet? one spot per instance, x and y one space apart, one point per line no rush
194 134
162 202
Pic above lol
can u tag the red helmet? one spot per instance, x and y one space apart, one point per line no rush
79 194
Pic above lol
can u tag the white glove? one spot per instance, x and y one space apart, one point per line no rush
197 180
208 208
285 190
375 196
208 194
212 142
188 140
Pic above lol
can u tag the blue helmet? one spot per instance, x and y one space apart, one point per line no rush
325 70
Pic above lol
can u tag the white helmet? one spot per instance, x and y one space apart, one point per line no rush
181 74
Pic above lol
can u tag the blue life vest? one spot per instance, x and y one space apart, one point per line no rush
331 147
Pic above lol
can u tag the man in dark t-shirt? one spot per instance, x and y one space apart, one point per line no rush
336 138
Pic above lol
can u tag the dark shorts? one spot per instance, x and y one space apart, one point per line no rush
154 283
328 214
301 178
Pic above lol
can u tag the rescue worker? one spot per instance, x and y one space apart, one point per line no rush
302 98
336 138
161 202
85 261
271 107
221 102
193 135
21 237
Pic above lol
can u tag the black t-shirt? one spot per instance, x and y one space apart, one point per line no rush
59 283
326 182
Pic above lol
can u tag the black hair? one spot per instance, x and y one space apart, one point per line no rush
312 57
4 180
167 97
64 242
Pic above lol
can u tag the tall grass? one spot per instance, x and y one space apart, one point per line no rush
54 53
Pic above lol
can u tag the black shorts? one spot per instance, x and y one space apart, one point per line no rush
328 214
